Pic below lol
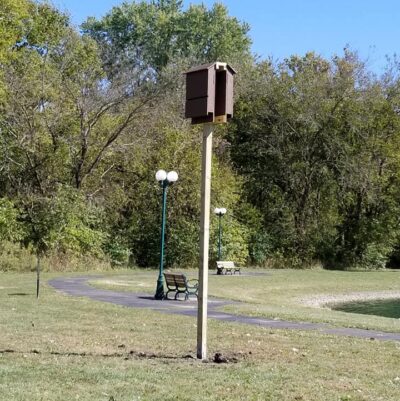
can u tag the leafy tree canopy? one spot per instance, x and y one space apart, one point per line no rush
150 34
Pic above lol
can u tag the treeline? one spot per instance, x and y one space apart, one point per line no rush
308 169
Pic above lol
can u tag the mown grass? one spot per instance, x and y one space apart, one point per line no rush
64 348
283 294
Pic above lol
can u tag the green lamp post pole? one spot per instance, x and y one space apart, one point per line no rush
220 212
219 236
160 281
165 179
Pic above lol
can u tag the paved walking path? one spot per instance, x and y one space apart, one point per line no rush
79 287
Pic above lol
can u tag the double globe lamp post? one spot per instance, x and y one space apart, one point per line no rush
165 179
219 212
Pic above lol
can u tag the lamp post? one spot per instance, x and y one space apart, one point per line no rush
219 212
165 179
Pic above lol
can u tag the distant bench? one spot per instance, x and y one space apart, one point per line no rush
179 284
225 267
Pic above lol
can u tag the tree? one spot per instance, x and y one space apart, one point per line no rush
65 116
279 144
61 222
315 140
10 227
147 36
367 175
12 26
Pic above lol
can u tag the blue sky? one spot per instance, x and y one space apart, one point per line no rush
285 27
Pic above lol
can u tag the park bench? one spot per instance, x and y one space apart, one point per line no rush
179 284
225 267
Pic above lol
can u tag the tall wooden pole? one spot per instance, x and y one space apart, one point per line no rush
204 241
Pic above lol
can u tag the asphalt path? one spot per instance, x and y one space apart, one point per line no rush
79 287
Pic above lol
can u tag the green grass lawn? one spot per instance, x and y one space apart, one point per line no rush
283 294
64 348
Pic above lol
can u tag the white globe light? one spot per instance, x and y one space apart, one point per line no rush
161 175
217 210
223 210
172 176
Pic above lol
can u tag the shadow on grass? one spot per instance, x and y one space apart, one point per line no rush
18 294
167 300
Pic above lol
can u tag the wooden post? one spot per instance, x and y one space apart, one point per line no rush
204 241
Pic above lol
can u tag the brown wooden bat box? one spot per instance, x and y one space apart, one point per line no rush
209 93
